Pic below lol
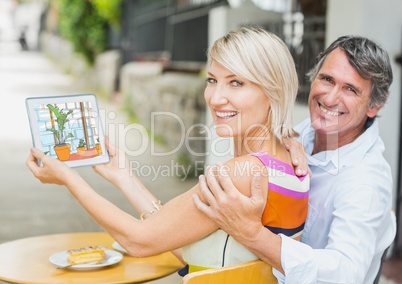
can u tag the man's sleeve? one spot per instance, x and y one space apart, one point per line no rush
351 244
297 261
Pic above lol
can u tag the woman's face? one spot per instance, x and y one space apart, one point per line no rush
238 106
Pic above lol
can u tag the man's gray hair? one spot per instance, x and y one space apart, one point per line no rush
370 61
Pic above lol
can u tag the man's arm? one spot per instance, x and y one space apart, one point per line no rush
239 215
358 212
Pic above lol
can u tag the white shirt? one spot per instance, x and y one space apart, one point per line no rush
349 223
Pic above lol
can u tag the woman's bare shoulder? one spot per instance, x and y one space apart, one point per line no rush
246 164
242 169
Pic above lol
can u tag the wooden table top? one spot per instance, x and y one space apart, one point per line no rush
27 261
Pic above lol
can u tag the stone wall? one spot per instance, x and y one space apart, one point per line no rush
169 104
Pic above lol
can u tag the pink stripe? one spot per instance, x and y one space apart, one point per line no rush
276 164
287 192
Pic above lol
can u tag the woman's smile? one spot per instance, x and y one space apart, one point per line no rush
237 105
226 114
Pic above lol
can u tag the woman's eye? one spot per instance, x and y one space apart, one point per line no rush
211 80
236 83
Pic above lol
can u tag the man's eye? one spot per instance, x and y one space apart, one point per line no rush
327 79
350 89
211 80
236 83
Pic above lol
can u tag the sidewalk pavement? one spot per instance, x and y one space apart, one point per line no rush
29 208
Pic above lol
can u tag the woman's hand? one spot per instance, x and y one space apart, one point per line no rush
298 156
52 171
117 169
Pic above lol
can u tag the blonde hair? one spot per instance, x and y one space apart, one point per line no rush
262 58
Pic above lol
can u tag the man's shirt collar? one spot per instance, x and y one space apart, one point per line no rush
333 160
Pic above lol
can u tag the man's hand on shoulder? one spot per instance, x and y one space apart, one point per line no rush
233 212
298 156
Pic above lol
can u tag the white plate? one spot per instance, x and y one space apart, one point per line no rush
60 259
118 247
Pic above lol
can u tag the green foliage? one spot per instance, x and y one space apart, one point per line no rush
187 167
81 143
110 10
84 23
132 117
61 120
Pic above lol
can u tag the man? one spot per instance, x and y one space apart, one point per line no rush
349 223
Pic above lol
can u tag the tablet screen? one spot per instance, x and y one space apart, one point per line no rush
68 128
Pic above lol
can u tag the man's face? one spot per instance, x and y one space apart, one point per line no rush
339 99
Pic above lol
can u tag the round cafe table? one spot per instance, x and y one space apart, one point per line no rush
27 261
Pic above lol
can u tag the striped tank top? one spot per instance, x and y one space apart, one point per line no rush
285 213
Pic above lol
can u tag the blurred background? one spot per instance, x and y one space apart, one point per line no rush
145 56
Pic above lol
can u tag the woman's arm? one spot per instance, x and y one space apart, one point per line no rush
117 171
176 224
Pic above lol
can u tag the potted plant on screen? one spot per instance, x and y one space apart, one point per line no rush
61 148
98 149
81 147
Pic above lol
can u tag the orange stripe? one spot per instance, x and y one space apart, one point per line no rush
284 212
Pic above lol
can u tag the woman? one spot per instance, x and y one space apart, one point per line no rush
251 89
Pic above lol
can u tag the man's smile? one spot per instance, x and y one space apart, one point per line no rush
329 112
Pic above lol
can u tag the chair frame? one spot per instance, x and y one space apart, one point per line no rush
256 272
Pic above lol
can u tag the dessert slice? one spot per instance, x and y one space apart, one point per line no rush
86 254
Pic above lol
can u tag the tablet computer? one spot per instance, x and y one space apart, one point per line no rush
68 128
